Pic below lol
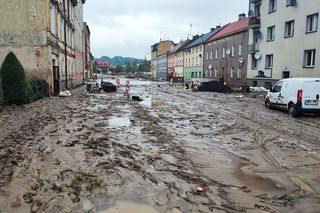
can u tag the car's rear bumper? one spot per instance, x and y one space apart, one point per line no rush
306 110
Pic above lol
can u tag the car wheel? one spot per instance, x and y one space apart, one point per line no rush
293 110
268 104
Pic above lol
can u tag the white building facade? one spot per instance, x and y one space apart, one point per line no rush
284 40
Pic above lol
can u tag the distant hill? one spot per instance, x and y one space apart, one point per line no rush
119 60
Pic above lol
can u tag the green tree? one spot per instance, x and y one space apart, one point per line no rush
129 67
14 82
119 68
134 68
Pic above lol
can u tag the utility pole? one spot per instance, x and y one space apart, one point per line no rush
65 43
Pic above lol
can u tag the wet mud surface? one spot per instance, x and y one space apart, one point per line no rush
106 153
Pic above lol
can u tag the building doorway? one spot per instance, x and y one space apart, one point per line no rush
56 78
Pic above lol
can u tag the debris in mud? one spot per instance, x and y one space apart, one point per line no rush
200 189
214 86
65 93
136 98
28 198
262 207
36 205
108 87
7 171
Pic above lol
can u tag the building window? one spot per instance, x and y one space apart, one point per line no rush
215 73
216 53
309 58
52 19
232 51
207 56
255 83
239 72
257 10
231 72
289 29
271 33
268 85
240 49
272 6
312 23
269 61
211 54
286 74
223 52
254 62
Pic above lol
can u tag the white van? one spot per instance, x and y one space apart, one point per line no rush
297 95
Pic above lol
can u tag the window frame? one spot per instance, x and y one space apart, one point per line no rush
313 58
269 56
270 30
315 23
274 9
239 74
286 29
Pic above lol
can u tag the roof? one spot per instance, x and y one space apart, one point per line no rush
179 46
231 29
102 63
202 39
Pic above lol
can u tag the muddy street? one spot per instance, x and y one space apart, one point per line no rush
106 153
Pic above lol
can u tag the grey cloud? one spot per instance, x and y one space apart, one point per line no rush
130 27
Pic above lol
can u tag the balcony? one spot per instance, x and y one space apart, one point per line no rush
253 48
254 22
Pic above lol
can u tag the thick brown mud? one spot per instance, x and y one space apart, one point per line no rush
106 153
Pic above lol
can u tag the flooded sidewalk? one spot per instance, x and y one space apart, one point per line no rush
106 153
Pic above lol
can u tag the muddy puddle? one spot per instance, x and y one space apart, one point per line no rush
256 182
118 122
150 102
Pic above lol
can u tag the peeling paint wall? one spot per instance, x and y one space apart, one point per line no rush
34 31
23 30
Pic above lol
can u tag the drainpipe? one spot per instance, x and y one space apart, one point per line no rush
65 43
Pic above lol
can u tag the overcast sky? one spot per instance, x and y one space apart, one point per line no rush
130 27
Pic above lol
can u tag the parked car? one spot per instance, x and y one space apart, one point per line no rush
297 95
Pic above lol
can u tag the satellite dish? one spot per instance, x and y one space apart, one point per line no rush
210 66
241 60
257 55
228 51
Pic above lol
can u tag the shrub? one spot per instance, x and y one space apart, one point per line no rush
1 96
37 89
14 82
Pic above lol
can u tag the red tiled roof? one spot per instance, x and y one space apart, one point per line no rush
231 29
102 63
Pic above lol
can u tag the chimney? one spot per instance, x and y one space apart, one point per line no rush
218 27
212 29
242 16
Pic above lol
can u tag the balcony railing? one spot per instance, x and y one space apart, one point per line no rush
254 22
253 48
255 1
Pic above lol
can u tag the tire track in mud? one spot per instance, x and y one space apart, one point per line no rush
184 171
261 136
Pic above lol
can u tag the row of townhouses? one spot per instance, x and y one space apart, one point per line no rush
49 38
279 39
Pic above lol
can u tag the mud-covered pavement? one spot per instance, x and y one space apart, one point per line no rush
105 153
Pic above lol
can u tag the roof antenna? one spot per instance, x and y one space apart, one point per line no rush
190 30
160 35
